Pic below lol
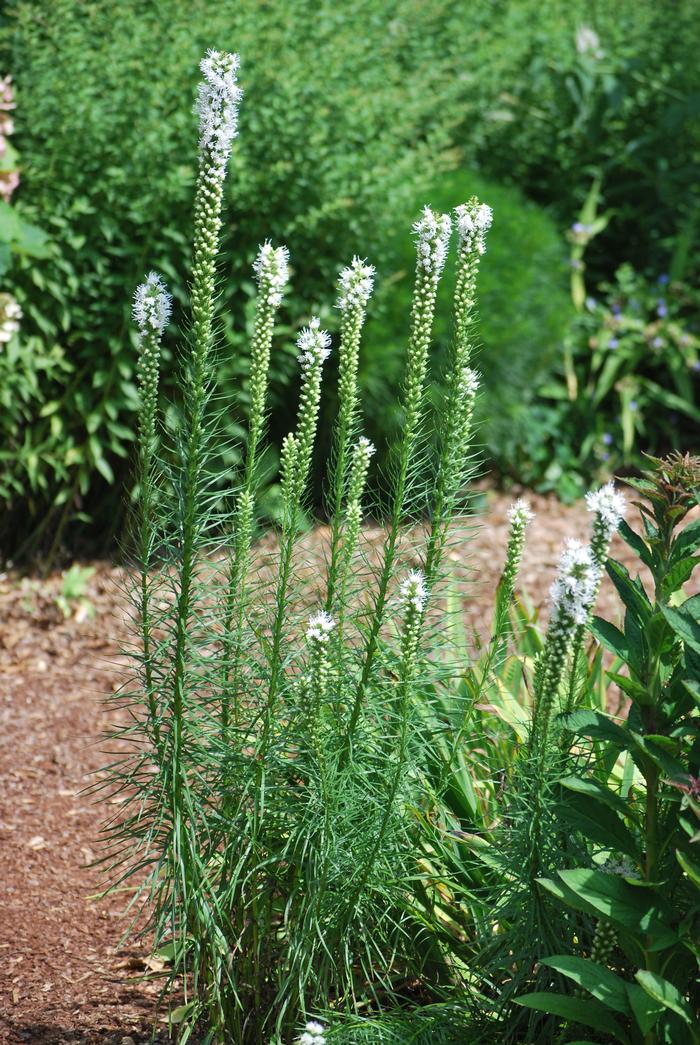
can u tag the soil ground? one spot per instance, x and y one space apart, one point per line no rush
64 978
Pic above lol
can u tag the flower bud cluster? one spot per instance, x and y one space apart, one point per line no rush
217 107
271 268
313 344
413 592
10 315
608 506
519 515
152 306
355 285
473 222
432 233
575 587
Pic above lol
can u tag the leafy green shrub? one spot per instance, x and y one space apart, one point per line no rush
525 305
612 91
348 109
627 384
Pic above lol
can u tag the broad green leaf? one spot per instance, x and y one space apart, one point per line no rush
594 724
597 791
684 626
664 992
630 591
689 866
638 910
636 543
598 823
604 985
678 575
610 637
631 688
687 541
588 1012
646 1010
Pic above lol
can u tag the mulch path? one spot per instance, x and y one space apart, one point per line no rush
63 976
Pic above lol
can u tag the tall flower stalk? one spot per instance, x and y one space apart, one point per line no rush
432 232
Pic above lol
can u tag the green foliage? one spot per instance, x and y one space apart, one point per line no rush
623 106
627 383
333 141
640 837
525 307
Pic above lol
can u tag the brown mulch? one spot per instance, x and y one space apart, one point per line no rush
63 976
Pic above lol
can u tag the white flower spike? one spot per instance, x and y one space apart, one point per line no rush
608 504
355 285
473 222
413 591
313 344
432 233
217 106
271 268
575 587
321 624
152 305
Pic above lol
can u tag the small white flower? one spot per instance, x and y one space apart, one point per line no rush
468 382
607 503
321 624
520 513
366 448
217 105
315 1028
413 591
473 222
152 305
355 284
575 586
13 310
432 233
313 343
271 268
588 42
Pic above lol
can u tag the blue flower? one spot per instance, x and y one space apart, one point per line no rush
607 438
661 309
664 278
616 310
613 342
658 342
633 404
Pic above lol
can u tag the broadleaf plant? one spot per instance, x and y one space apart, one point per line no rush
641 889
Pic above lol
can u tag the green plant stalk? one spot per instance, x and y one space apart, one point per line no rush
423 310
346 423
244 511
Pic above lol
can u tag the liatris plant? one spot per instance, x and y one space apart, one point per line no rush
271 725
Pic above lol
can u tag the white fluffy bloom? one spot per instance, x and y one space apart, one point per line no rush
468 382
413 591
321 624
315 1028
355 284
432 233
217 105
366 448
473 222
575 586
588 42
11 314
152 305
271 268
520 513
313 343
608 504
